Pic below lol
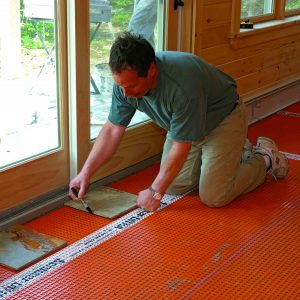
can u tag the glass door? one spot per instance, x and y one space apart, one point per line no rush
33 152
107 19
55 89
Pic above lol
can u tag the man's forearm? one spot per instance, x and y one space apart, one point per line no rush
104 147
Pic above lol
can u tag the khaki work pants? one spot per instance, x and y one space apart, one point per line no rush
215 163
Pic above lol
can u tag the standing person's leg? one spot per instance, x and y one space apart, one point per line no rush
223 175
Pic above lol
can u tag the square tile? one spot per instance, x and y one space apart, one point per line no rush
106 202
21 246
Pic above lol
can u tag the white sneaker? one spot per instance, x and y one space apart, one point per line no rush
279 162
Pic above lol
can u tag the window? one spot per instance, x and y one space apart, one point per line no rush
292 7
29 122
255 8
267 20
107 20
33 98
263 10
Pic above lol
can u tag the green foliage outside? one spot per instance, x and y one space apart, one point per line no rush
292 4
121 12
29 38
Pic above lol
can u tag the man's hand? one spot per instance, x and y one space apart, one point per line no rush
146 201
101 152
81 183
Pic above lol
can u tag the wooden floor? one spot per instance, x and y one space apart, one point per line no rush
249 249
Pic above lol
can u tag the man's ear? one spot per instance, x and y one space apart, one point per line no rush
152 69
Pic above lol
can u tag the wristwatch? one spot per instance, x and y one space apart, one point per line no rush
156 195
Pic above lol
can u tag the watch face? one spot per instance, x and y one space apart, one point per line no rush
157 196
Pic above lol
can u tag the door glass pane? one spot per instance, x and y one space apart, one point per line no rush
255 8
292 4
107 19
28 81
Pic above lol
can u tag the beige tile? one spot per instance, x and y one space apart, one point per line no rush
106 202
20 246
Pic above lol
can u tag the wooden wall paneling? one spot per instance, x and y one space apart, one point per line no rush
244 66
224 53
269 76
134 148
217 55
286 54
216 14
257 80
198 29
290 68
215 36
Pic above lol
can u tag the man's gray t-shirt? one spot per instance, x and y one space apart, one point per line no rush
191 99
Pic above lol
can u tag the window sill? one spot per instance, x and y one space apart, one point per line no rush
265 31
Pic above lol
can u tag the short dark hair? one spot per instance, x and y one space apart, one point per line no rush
130 51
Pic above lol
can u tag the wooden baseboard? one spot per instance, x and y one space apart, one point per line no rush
264 105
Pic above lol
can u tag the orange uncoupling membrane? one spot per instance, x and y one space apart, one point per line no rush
283 129
246 250
183 249
294 108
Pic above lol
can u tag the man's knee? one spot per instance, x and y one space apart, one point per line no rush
179 186
213 199
178 190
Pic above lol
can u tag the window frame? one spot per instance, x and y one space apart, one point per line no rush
279 12
264 17
264 30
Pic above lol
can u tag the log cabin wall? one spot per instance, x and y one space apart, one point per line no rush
261 61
